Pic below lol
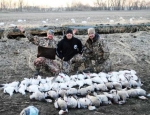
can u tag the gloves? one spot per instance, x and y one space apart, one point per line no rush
72 61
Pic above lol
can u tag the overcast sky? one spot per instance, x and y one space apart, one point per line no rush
57 3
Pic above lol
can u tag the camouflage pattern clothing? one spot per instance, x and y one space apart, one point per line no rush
96 53
42 62
45 42
74 65
53 65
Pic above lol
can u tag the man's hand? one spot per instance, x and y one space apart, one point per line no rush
21 29
74 31
62 59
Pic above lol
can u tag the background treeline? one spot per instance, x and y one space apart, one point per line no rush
22 6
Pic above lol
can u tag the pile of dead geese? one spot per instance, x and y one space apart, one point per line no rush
82 90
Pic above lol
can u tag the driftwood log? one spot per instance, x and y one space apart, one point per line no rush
14 32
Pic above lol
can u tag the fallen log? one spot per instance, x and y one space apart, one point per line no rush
14 32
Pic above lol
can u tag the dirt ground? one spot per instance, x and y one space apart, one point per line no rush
127 51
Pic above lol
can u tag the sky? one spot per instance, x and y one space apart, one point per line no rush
57 3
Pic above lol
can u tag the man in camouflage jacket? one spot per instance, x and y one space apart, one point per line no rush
96 53
40 62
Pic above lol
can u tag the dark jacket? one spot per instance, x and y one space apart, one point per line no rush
68 48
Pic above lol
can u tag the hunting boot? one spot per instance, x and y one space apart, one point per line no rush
37 72
88 70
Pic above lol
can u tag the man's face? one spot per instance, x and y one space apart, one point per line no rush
91 35
69 35
50 36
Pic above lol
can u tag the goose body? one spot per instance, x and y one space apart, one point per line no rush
90 88
26 82
113 76
65 77
60 103
44 87
103 76
59 79
22 89
133 83
9 90
116 97
42 81
63 86
140 91
104 99
125 84
13 84
82 91
52 94
34 81
97 79
100 87
88 82
72 102
109 85
71 83
80 77
123 95
38 96
80 83
54 86
73 77
32 88
132 93
62 92
72 91
94 100
84 102
117 85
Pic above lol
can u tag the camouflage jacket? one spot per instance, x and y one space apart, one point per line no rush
44 42
96 49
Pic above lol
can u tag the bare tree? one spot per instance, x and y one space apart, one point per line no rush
3 5
123 2
142 5
130 4
9 4
100 4
79 6
76 5
68 7
120 4
108 4
135 5
20 4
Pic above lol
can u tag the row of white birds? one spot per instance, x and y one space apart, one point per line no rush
86 90
46 21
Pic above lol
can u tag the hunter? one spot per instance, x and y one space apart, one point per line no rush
46 52
96 53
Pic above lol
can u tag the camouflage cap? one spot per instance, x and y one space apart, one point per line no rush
50 32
